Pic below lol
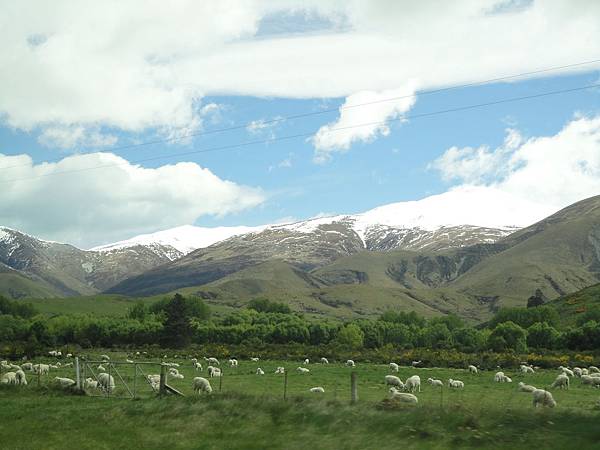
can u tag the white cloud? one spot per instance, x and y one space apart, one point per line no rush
68 137
550 171
338 136
140 65
117 201
283 164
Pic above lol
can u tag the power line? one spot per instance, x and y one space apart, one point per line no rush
305 135
329 110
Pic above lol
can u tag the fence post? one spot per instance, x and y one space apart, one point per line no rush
353 388
220 381
135 374
285 381
39 374
108 387
77 374
163 381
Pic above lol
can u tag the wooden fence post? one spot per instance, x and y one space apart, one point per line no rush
220 381
285 381
163 380
353 388
77 374
39 374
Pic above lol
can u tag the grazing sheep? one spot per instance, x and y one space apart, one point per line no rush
27 366
59 353
15 367
526 369
177 376
173 371
350 363
53 353
69 355
90 383
212 361
472 369
592 381
324 361
577 371
455 384
526 387
130 361
64 382
561 382
403 397
54 366
198 366
105 358
101 368
20 377
213 371
317 390
280 370
68 365
391 380
154 379
544 398
435 383
413 384
416 363
259 371
501 378
9 378
584 371
394 367
106 382
42 369
302 370
566 371
200 384
233 362
593 369
306 361
194 360
254 359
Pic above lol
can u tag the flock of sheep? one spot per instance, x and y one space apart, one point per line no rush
402 391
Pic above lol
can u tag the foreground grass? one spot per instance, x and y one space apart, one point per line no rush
45 418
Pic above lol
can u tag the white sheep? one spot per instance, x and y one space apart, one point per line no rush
324 360
64 382
544 398
14 367
106 382
173 371
526 369
59 353
302 370
9 378
584 371
455 384
561 382
593 369
259 371
27 366
577 371
52 352
592 381
68 365
435 383
105 358
42 369
403 397
212 361
90 383
200 384
280 370
472 369
499 377
306 361
213 371
526 387
416 363
254 359
69 355
54 366
130 361
194 360
20 377
233 362
198 366
177 376
566 371
394 367
392 380
413 384
350 363
317 390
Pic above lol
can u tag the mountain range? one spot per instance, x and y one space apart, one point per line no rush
428 256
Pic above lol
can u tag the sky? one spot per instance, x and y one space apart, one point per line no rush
122 118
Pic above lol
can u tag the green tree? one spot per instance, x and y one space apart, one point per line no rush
268 306
542 335
177 330
508 336
537 299
350 336
138 311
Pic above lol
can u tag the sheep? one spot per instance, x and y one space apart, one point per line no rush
59 353
54 366
526 369
212 361
324 360
64 382
577 371
526 387
233 362
435 383
350 363
394 367
130 361
194 360
391 380
153 379
52 352
472 369
42 369
9 378
69 355
566 371
413 383
106 382
317 390
306 361
302 370
101 368
561 382
592 381
259 371
90 383
416 363
455 384
14 367
27 366
593 369
213 371
254 359
499 377
105 358
403 397
177 376
200 384
544 398
173 371
198 366
280 370
20 377
584 371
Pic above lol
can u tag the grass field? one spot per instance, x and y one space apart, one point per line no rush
249 412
